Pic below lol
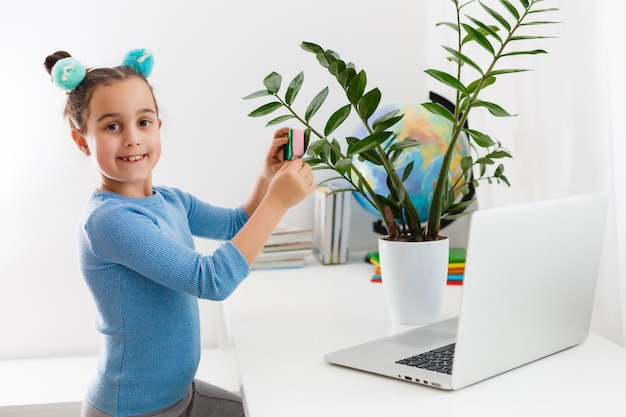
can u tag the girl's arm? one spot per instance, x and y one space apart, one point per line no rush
273 163
280 186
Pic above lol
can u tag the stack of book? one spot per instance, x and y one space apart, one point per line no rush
287 247
456 266
331 230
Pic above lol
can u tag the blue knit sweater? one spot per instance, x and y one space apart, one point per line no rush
138 259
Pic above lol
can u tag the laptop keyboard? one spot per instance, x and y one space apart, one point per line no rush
438 360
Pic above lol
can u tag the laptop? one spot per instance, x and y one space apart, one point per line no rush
528 292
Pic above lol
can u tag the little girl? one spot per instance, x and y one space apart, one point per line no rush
136 247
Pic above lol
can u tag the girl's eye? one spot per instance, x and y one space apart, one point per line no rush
112 127
145 123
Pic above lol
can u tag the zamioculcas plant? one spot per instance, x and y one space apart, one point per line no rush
498 38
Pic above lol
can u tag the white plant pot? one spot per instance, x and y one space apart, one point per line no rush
414 277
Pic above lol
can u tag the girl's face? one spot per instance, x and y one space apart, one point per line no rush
123 136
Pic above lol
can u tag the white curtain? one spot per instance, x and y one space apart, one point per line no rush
613 23
566 138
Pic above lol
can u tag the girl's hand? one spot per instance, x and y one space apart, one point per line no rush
274 159
291 184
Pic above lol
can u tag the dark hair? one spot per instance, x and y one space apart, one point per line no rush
77 105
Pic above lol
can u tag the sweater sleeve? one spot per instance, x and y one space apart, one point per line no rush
129 236
201 215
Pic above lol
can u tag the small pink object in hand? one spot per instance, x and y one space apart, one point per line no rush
298 142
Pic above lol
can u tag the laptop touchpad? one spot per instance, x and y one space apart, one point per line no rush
422 338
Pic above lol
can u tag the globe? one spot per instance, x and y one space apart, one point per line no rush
433 132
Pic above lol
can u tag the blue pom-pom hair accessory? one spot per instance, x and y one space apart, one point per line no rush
67 73
141 60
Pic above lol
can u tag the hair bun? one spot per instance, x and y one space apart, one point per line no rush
67 72
52 59
141 60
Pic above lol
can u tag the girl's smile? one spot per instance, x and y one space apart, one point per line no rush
134 158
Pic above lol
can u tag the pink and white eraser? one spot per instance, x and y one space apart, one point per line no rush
298 143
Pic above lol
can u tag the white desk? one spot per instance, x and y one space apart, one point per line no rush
282 322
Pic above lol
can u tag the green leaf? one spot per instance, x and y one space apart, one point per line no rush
407 171
265 109
368 143
342 165
311 47
330 179
506 71
315 104
357 87
457 215
533 52
488 80
481 139
500 154
386 124
551 9
326 58
451 25
404 144
463 58
345 77
313 162
294 88
447 79
317 147
493 109
368 104
539 22
459 207
438 109
257 94
485 160
479 38
489 30
499 170
370 156
272 82
336 119
337 67
510 8
340 190
386 120
466 163
279 120
498 17
528 38
334 154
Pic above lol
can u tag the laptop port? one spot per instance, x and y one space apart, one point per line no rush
408 378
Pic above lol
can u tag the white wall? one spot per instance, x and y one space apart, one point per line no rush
208 56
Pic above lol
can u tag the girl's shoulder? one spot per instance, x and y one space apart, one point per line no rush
107 207
173 195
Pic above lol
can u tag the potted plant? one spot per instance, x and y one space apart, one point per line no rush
492 42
